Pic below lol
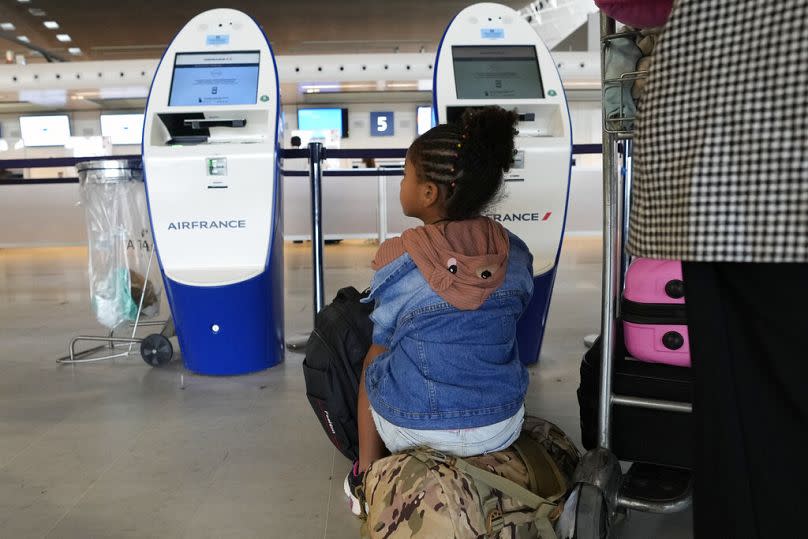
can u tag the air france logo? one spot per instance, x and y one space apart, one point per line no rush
510 217
207 225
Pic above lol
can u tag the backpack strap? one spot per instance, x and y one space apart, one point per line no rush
543 473
506 486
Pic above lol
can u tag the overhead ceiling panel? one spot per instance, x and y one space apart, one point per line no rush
106 30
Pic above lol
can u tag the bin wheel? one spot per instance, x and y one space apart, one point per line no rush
585 515
156 350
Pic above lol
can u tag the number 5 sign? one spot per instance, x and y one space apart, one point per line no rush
381 124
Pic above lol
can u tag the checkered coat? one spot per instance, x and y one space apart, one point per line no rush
721 153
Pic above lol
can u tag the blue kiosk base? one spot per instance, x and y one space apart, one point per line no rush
228 330
530 329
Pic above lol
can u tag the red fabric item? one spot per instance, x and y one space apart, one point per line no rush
637 13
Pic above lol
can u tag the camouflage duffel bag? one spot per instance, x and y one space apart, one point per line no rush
514 493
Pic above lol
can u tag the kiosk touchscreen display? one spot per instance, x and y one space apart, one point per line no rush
210 79
497 72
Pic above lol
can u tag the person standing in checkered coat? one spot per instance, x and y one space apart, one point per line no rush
721 183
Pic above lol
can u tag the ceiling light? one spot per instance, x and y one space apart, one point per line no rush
424 85
24 39
64 38
75 51
7 26
24 1
318 87
36 12
51 25
403 85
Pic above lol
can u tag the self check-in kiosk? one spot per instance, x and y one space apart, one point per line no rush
489 55
210 153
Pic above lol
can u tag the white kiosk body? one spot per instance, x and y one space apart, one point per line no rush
211 163
489 55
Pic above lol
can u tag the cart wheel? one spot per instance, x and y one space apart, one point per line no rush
156 350
591 514
585 515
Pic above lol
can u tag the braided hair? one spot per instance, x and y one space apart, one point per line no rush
467 159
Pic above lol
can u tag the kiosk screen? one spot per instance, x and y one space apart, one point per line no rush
210 79
497 72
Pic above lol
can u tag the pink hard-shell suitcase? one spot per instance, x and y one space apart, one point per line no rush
654 317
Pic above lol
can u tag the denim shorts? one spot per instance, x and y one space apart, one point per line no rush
459 442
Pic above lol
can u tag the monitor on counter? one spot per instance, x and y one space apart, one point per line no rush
326 119
122 128
497 72
204 79
425 119
45 130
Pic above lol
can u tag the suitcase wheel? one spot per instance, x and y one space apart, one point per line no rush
675 289
673 340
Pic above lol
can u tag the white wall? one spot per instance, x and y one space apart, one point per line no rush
351 208
586 122
585 212
350 204
47 214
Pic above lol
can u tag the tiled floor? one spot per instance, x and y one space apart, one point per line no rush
118 449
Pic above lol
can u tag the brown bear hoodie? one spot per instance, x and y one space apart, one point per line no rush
464 262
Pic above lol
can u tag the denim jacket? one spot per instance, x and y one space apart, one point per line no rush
446 368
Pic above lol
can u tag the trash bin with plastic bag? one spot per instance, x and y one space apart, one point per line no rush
125 281
120 241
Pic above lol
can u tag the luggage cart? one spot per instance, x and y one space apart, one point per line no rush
604 493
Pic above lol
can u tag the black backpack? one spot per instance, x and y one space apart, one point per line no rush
332 368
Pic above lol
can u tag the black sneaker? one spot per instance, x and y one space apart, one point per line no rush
355 490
